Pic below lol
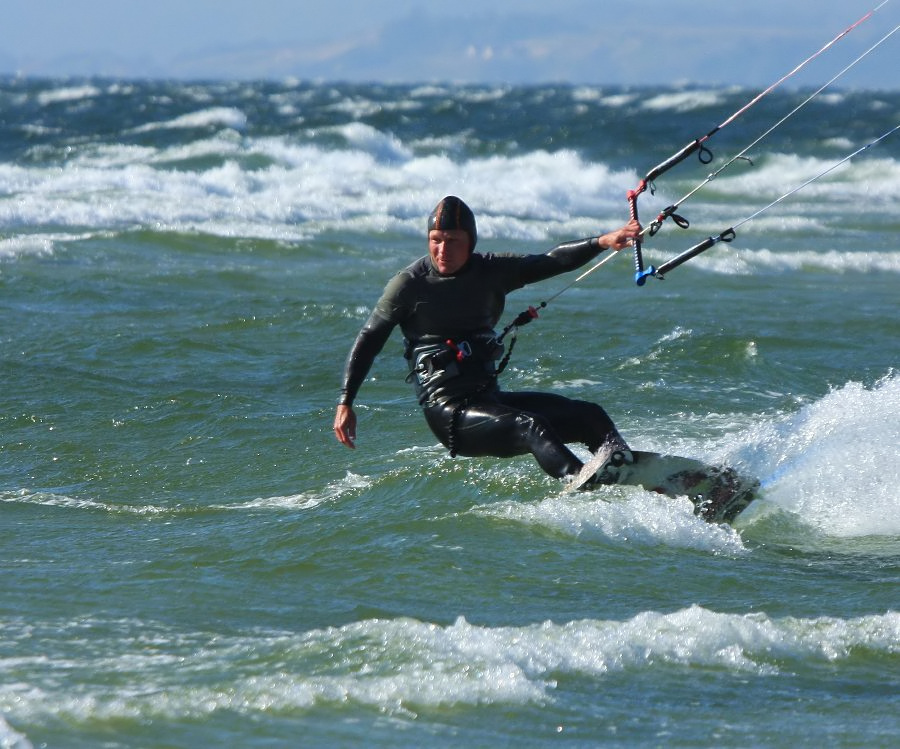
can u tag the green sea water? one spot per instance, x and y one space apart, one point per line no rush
189 559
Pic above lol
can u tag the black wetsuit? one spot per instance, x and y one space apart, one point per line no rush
448 323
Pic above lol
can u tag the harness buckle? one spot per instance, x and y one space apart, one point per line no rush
463 349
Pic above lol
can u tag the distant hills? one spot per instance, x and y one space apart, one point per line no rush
691 45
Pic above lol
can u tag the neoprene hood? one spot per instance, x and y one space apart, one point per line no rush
453 213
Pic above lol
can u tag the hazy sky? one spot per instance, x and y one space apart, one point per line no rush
752 42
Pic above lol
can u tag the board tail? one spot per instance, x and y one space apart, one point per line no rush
727 495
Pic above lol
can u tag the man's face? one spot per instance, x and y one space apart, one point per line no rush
449 249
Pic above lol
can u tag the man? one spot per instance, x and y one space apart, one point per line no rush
447 305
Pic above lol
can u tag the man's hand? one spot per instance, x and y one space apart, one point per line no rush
345 426
621 238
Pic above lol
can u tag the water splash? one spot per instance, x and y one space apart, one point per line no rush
835 462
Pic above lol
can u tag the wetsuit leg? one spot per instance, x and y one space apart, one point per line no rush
508 424
573 420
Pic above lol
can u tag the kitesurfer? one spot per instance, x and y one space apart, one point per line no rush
447 304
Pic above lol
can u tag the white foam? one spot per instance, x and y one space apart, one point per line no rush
371 186
375 182
620 100
682 101
12 739
729 260
676 338
477 95
622 514
875 180
384 146
349 485
25 245
49 499
67 93
833 465
229 117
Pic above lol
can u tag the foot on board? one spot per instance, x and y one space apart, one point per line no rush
608 472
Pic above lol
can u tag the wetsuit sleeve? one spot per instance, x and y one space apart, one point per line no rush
368 344
389 311
561 259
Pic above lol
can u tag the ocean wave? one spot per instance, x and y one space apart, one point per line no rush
374 185
351 484
358 177
325 169
307 189
404 665
52 499
385 147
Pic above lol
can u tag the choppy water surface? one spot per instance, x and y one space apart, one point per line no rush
190 559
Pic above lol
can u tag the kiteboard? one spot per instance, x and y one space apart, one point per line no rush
719 493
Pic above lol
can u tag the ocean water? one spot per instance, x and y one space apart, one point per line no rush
189 559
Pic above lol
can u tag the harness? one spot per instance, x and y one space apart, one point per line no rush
449 369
